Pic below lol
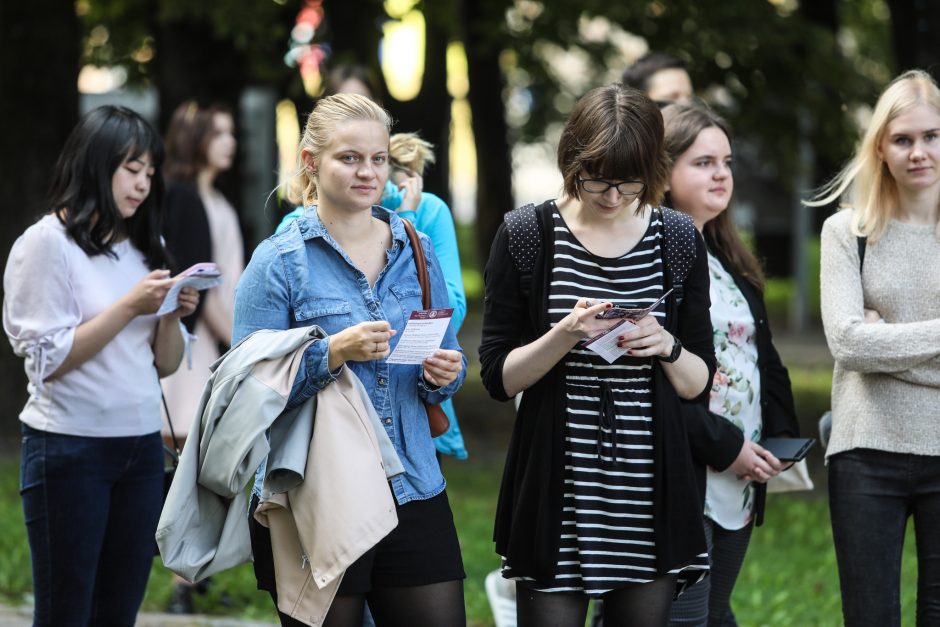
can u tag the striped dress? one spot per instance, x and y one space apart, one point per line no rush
607 523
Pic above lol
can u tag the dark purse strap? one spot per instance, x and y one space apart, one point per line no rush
174 452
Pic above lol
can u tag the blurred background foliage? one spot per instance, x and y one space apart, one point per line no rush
782 71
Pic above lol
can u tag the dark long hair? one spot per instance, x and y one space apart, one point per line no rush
683 125
191 129
81 191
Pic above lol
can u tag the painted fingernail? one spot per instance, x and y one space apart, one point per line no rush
629 351
608 305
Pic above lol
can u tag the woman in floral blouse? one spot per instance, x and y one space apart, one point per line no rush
751 388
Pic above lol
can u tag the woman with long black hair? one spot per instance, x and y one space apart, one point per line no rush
82 286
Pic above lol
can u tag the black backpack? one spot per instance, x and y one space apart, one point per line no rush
525 241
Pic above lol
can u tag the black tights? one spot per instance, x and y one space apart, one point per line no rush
643 605
438 604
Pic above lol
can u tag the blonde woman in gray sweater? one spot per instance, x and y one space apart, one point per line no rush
880 282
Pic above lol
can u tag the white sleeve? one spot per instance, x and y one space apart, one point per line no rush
40 312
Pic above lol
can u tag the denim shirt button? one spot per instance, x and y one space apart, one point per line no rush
388 420
382 381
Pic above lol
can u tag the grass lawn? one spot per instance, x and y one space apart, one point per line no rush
789 577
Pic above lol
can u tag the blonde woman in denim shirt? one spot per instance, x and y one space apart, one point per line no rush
348 267
408 155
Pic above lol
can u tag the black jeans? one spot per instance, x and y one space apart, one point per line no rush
871 495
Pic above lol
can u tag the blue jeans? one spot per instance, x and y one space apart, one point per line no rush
871 495
91 507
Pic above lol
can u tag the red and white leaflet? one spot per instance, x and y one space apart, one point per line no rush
422 336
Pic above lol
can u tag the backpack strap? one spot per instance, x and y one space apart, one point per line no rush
679 240
862 243
525 241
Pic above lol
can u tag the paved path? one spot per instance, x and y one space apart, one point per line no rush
23 617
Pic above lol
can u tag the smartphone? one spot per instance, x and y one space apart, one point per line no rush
631 313
788 449
204 269
621 312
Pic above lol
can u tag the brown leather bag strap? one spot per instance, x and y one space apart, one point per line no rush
438 422
417 251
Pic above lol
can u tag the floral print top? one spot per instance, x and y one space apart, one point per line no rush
735 393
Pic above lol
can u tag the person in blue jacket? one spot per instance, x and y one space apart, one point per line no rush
347 266
408 156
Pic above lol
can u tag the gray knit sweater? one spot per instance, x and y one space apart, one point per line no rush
886 382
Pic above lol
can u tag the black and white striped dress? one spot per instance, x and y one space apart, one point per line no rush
607 523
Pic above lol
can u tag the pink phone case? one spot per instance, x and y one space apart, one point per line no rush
201 269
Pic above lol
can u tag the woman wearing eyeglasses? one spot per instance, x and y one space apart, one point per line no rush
599 497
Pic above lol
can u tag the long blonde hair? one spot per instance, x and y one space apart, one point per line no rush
865 183
321 123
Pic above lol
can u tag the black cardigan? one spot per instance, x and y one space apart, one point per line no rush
529 509
716 442
186 231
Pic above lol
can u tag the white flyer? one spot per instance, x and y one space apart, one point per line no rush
605 344
422 336
201 276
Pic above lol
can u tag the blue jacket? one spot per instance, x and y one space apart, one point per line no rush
301 277
433 218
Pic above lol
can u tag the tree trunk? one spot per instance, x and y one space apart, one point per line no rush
490 132
823 12
40 43
914 24
191 63
428 114
353 31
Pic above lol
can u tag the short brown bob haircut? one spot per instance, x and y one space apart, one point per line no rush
615 133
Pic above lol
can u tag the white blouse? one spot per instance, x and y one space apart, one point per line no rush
51 287
735 393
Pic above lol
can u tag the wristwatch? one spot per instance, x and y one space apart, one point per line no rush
674 354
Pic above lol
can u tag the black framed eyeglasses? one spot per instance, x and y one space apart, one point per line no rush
629 189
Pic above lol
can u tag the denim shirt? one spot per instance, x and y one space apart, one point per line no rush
300 277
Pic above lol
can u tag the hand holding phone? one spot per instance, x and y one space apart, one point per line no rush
631 313
788 449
